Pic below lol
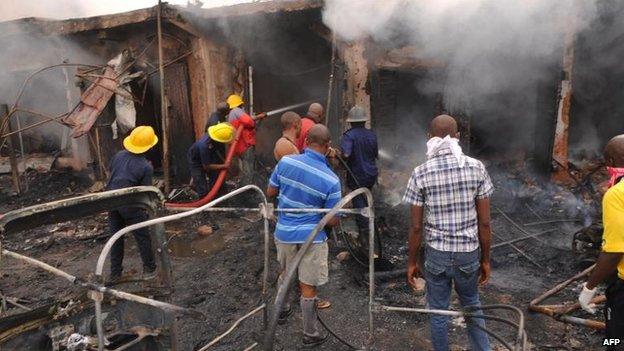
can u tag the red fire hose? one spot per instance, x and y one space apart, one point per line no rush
217 185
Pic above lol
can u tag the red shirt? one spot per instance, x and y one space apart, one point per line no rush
238 117
306 124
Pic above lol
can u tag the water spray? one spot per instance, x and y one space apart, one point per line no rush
288 108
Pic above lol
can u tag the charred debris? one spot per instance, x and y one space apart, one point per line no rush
72 88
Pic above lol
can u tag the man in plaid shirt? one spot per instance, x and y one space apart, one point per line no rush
449 197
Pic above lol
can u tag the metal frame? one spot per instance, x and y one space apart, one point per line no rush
148 198
159 222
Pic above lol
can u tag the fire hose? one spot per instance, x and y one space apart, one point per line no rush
228 158
218 183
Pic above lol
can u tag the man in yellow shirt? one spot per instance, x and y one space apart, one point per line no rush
611 259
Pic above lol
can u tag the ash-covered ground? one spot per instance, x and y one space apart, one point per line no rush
221 275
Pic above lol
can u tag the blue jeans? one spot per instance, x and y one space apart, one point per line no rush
442 271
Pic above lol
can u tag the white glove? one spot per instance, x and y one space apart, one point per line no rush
585 299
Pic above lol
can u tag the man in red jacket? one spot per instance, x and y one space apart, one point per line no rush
314 116
244 148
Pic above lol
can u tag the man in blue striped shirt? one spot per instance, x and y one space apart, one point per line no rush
305 181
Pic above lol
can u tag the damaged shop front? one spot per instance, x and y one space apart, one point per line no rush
74 88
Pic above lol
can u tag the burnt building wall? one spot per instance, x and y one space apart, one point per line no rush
597 111
290 62
58 90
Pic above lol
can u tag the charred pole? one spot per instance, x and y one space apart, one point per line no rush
4 111
163 103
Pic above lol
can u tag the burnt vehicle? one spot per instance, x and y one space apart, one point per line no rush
122 320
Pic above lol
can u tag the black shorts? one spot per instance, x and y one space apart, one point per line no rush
614 314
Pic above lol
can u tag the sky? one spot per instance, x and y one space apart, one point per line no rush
12 9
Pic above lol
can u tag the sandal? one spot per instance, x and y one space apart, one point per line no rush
323 304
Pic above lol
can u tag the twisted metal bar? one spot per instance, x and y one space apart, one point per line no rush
102 289
232 327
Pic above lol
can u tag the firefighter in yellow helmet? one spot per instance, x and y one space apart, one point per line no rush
130 168
206 157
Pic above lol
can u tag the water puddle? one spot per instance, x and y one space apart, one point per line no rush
193 245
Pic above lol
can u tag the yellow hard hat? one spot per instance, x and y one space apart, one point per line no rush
234 100
222 132
141 139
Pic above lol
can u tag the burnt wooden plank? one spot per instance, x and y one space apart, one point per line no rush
181 135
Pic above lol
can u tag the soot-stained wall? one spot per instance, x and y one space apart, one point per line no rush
290 63
597 111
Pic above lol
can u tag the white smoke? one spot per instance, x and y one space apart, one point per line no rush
61 9
489 46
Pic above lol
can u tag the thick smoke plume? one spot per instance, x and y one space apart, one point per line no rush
489 46
502 63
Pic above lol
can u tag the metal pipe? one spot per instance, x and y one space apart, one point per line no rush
169 63
20 93
265 275
560 286
236 323
163 103
165 306
524 254
584 322
516 225
111 241
292 269
97 298
371 267
466 313
569 220
46 267
102 289
331 80
449 313
289 210
251 96
36 124
522 238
